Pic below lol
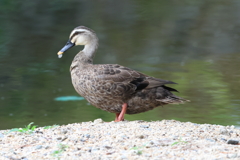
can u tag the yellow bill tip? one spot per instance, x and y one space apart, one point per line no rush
59 53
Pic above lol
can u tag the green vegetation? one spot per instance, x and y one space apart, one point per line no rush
61 149
28 129
48 127
139 149
180 141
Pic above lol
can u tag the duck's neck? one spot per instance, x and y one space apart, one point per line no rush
90 48
85 57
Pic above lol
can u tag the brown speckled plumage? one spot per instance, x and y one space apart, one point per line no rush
109 86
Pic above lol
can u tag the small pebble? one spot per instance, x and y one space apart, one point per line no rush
224 132
64 138
87 136
59 138
141 136
97 121
234 155
144 126
1 135
211 140
108 147
38 147
64 131
234 142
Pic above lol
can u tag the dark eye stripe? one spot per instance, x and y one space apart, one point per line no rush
76 33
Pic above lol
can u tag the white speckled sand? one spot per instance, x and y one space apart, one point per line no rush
140 140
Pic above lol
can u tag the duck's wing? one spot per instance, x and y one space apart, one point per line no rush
117 73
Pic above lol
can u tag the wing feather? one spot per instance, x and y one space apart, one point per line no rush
117 73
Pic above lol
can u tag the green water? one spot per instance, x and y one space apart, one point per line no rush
193 43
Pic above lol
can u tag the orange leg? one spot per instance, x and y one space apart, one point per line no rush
120 116
117 114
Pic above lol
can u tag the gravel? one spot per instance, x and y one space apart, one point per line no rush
127 140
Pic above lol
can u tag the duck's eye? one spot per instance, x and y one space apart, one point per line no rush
76 33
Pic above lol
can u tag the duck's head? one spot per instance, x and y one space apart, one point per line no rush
80 36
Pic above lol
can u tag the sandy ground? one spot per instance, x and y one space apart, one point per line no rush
128 140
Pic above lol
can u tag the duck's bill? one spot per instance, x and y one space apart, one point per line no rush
68 45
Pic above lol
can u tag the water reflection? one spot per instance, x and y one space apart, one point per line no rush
193 43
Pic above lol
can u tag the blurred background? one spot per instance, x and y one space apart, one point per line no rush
193 43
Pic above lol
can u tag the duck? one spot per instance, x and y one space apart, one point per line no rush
112 87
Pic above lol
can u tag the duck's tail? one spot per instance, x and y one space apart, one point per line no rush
172 99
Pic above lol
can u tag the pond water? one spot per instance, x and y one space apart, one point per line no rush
192 43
